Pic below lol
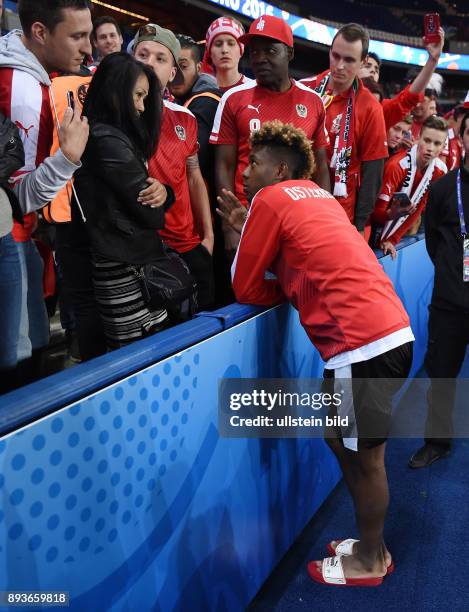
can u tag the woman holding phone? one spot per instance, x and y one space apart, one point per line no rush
123 106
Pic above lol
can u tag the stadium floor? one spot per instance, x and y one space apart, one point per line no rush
426 532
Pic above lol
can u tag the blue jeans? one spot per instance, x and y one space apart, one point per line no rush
34 324
10 301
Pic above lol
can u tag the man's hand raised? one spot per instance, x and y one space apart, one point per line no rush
435 49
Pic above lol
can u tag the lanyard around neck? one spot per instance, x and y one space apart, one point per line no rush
460 207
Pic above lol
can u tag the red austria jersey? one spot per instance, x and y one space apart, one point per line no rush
244 109
178 141
323 266
26 102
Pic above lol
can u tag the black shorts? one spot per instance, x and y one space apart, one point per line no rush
374 383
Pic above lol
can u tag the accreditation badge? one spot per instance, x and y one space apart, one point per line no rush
465 260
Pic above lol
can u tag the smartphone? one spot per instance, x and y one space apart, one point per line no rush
71 100
431 25
407 135
402 198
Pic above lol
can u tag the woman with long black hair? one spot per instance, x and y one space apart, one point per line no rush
123 106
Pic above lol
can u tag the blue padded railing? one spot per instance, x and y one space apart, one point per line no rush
31 402
43 397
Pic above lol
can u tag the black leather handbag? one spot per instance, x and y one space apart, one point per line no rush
168 283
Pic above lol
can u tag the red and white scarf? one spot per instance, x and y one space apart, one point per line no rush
344 139
409 162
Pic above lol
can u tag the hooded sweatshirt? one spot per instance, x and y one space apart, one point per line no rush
24 98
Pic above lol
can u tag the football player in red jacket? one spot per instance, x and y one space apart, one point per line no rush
347 306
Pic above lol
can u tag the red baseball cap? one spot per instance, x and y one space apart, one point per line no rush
269 27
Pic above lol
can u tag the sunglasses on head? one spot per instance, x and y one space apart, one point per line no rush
148 29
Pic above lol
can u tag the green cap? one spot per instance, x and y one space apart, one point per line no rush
155 33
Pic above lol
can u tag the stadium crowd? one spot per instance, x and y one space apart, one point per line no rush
112 167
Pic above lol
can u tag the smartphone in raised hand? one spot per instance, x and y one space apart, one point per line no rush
71 100
431 27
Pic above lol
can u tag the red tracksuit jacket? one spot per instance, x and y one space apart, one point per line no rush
323 267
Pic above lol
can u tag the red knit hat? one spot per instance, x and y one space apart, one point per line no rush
222 25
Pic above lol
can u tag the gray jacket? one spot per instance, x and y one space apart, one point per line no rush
40 184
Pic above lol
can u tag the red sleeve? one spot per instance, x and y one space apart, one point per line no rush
224 129
373 143
395 109
259 245
320 138
392 178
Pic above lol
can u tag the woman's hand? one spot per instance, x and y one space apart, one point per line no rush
154 195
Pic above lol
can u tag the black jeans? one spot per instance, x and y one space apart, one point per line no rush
200 263
74 258
448 337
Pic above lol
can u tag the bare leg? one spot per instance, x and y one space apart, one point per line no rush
365 475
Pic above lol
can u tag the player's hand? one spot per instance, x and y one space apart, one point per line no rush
73 135
435 49
389 249
154 195
231 210
395 210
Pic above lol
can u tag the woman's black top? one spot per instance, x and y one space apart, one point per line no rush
112 175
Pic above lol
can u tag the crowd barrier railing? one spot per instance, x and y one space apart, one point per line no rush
116 487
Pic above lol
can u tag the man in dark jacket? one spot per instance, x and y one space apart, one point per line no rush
448 326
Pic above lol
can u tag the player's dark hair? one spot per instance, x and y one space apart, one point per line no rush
48 12
289 144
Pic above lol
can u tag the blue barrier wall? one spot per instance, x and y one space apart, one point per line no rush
130 500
